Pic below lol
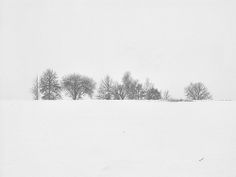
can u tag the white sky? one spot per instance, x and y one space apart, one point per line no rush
172 42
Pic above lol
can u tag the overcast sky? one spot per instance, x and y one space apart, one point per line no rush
171 42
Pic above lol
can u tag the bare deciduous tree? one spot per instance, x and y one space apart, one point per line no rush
77 86
49 85
153 94
139 92
197 91
148 85
105 89
118 92
129 85
133 89
35 89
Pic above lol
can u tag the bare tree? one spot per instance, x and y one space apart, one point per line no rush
77 86
35 89
129 85
49 85
105 89
133 89
152 94
148 85
118 92
139 92
197 91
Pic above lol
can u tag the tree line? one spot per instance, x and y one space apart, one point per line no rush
76 86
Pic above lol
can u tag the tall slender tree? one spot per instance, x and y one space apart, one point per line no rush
105 90
35 89
49 85
133 89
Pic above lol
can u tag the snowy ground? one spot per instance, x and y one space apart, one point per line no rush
117 139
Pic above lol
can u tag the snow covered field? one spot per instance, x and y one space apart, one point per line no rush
117 139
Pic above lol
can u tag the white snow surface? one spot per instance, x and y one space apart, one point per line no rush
117 139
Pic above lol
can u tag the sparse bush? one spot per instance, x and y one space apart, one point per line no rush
178 100
166 95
